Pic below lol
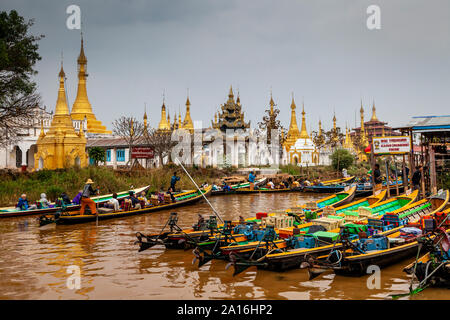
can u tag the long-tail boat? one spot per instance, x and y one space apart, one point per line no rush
181 199
354 258
15 212
330 186
320 243
237 186
258 247
433 268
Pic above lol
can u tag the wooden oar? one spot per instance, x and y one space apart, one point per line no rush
214 210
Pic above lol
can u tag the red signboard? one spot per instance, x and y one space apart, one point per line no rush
142 153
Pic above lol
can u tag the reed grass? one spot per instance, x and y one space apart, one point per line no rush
13 184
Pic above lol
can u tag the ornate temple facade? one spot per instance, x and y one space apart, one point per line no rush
231 116
20 154
61 146
303 152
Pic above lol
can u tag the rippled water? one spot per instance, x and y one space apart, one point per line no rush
33 262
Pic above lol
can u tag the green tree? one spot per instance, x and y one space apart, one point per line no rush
97 154
341 158
18 55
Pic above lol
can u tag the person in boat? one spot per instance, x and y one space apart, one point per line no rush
143 198
270 184
22 204
44 201
286 184
204 185
170 193
377 177
77 199
295 184
225 186
161 196
86 200
113 203
306 182
65 198
251 179
174 180
135 203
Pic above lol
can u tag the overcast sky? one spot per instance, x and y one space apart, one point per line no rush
320 50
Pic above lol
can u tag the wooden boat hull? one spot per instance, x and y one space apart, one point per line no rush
236 187
75 219
294 258
357 266
242 191
73 207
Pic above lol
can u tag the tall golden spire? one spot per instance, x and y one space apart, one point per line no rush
145 118
293 132
334 121
304 132
164 123
320 128
272 103
374 115
187 123
82 107
62 146
363 131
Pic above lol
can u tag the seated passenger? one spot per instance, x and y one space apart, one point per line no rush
135 203
22 204
270 184
113 203
43 201
172 197
77 199
65 198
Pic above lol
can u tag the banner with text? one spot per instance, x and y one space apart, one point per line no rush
142 153
391 145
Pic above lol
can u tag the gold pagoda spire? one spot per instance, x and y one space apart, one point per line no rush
363 131
272 103
374 114
62 146
320 128
187 123
164 123
82 107
304 132
293 132
145 118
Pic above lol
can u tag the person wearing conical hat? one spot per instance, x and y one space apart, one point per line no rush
86 200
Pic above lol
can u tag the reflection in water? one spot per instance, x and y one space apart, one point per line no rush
33 262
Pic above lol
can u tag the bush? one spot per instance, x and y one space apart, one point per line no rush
341 159
54 192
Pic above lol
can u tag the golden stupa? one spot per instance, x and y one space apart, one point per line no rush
62 146
82 107
187 123
293 132
164 123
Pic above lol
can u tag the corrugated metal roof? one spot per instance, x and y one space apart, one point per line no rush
429 123
111 142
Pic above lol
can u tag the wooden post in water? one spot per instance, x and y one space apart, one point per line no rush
433 184
396 176
387 179
372 164
404 176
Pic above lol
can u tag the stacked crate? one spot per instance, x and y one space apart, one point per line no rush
329 223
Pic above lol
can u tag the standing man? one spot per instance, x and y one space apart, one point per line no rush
86 200
377 177
251 179
417 176
173 181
